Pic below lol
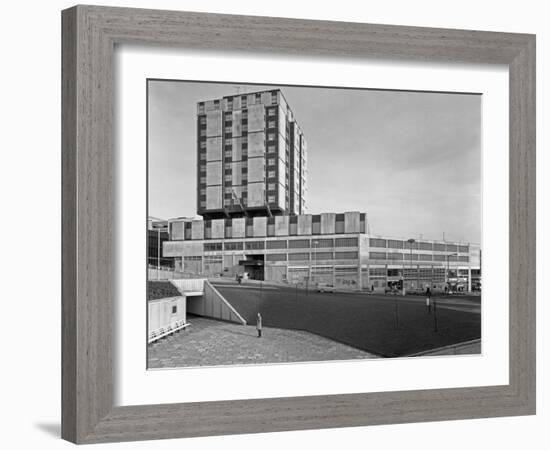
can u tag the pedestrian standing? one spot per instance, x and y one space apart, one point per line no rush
259 325
428 299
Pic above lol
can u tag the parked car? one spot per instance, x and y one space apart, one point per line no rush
325 287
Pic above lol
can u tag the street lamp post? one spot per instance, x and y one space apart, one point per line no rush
158 250
315 246
447 271
411 242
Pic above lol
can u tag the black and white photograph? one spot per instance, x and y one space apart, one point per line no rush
296 224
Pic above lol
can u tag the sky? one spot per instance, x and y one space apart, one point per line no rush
410 160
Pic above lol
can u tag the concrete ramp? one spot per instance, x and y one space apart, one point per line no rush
205 300
190 287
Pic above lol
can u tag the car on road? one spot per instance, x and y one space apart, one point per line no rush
325 287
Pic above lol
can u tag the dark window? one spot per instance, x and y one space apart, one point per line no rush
346 242
395 244
299 243
298 256
212 246
174 309
377 255
187 230
339 226
233 246
276 244
452 248
323 243
425 246
362 222
322 255
275 257
395 256
316 224
379 243
258 245
346 255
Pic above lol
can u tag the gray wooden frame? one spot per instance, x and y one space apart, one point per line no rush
89 36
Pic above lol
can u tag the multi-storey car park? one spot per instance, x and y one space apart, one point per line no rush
251 193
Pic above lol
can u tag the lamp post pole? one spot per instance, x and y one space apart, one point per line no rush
447 271
315 244
411 242
158 249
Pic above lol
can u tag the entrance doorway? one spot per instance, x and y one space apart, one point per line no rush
253 267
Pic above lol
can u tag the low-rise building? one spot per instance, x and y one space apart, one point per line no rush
324 248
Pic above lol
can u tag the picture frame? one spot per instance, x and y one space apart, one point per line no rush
89 37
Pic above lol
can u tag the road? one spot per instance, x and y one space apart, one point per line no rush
385 325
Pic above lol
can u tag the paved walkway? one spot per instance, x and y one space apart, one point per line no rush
208 342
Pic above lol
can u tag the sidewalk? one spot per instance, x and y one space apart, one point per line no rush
208 342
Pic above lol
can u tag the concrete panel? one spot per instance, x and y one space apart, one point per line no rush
237 126
256 144
256 118
256 170
237 175
213 197
266 98
281 192
282 119
214 123
256 194
236 149
304 224
172 248
237 102
238 191
327 223
214 149
209 105
239 226
282 169
260 226
176 230
352 222
213 173
191 248
275 273
197 229
218 229
282 146
281 225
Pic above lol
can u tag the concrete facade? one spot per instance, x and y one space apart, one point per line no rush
276 250
242 147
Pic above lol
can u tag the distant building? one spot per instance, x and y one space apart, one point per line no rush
252 157
157 234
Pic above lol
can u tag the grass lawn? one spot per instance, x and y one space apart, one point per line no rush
388 326
161 289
